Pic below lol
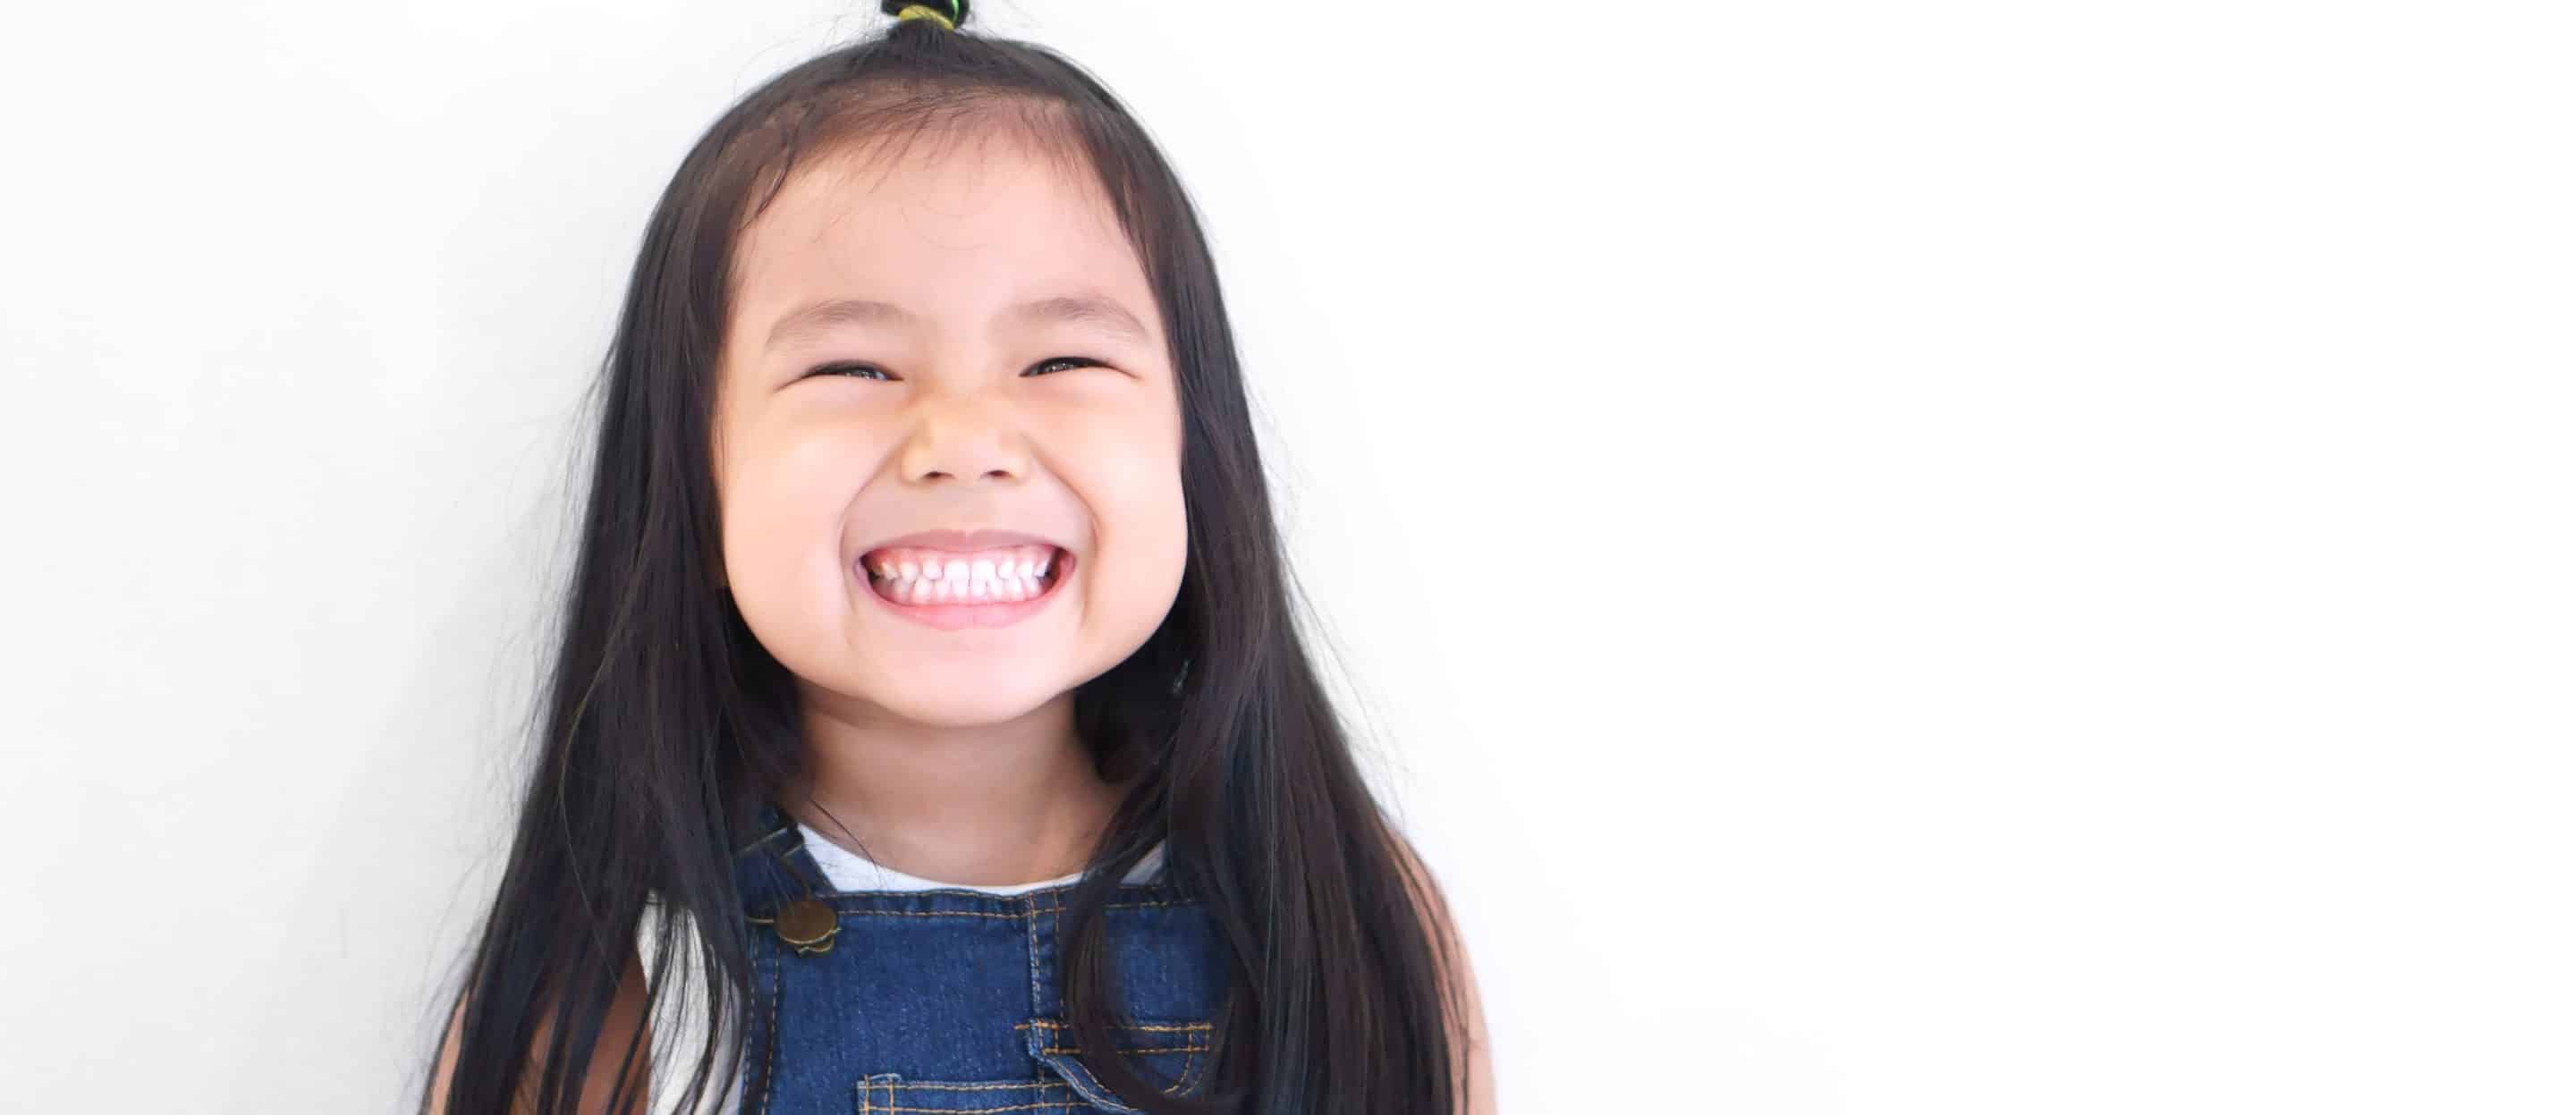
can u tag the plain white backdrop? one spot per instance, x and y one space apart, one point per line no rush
1990 557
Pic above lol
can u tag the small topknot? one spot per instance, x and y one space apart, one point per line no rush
950 14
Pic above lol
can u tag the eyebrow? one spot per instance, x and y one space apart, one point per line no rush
1094 310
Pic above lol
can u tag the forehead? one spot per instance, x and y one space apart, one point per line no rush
949 229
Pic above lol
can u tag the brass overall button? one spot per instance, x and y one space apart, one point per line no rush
808 926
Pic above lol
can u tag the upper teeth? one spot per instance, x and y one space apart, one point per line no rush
1007 567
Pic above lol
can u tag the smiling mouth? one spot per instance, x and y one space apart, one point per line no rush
921 577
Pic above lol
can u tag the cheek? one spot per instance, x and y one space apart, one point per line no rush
1148 525
1137 567
781 504
1131 481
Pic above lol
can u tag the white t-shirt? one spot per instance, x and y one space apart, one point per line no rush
850 871
677 1030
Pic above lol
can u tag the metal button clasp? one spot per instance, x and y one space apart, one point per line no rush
808 926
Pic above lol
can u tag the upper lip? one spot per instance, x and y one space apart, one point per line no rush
962 540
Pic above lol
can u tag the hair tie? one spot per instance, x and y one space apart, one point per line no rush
947 20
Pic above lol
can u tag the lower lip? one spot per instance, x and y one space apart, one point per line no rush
954 617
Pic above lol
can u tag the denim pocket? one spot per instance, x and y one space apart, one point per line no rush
1173 1055
1170 1054
888 1093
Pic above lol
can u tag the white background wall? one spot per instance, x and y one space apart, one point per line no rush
1898 557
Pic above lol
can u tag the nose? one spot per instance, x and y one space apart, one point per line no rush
965 438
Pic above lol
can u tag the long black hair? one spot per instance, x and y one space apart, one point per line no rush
665 723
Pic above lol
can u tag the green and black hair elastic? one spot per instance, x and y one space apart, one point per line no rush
946 13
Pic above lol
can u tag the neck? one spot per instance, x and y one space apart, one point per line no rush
986 805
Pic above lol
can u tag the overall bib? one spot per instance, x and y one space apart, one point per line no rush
952 1000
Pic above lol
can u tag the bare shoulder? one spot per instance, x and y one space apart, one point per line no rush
1473 1077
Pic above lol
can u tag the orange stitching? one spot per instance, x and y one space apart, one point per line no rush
1160 1028
1037 983
867 913
769 1061
1058 909
923 914
929 1085
1151 1049
1040 1102
1188 1068
1058 1105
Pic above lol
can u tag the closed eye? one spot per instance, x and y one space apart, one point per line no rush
1052 361
1042 367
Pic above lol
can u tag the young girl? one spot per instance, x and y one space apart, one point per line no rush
929 730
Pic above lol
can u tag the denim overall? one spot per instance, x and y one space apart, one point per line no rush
952 1000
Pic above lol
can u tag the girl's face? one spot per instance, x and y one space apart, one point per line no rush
961 342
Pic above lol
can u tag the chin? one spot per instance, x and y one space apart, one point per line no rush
965 703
